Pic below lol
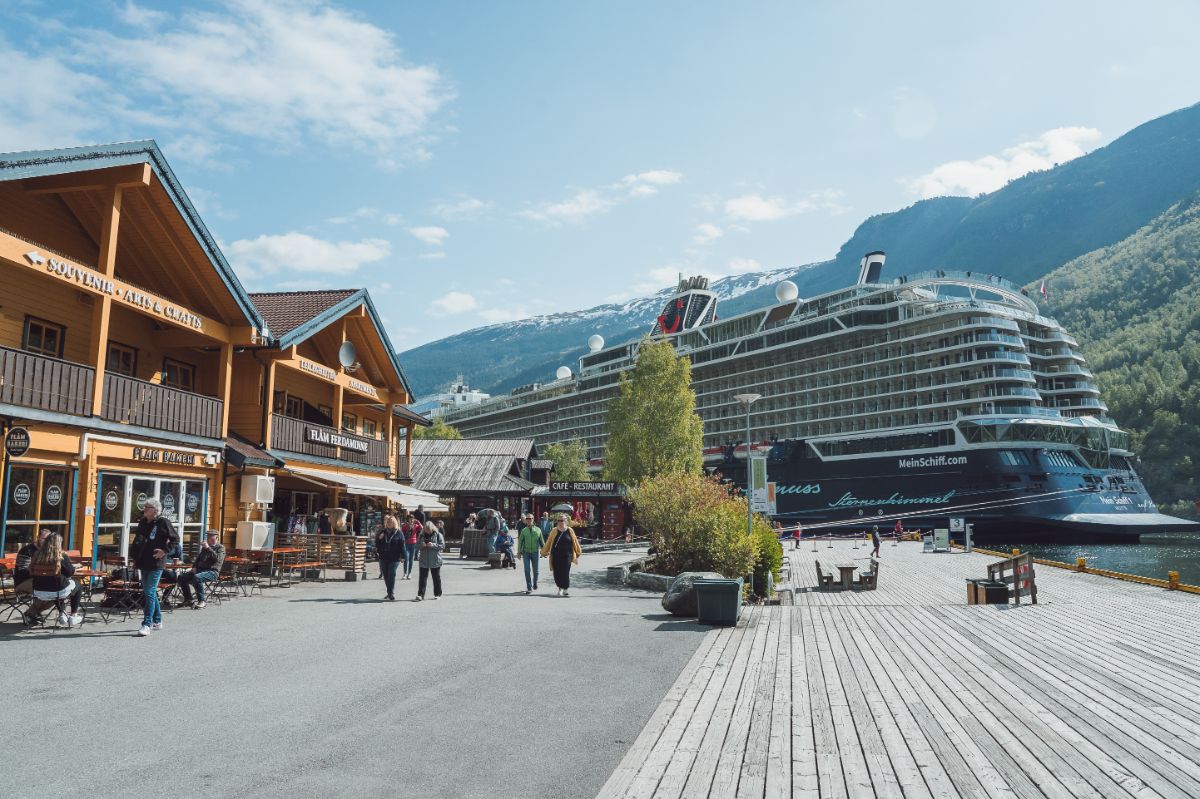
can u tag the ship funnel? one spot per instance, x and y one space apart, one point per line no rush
870 267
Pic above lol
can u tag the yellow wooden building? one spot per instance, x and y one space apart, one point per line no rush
133 364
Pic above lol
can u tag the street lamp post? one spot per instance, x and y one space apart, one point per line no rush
746 401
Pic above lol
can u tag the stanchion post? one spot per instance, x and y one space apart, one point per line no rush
830 541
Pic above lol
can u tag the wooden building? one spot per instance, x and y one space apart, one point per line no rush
132 361
473 474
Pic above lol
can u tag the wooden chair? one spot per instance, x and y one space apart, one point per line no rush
824 579
869 579
12 602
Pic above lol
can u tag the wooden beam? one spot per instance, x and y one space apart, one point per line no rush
391 440
225 380
116 177
268 403
101 311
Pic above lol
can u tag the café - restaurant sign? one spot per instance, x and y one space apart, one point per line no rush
323 435
586 488
93 281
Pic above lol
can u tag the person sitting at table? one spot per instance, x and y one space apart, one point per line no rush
504 545
22 578
206 568
170 576
52 584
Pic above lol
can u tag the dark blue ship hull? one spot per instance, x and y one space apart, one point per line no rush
1041 499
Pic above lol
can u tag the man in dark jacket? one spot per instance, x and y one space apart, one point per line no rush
155 535
206 568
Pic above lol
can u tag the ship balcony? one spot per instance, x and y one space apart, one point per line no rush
1005 409
1012 391
52 384
1063 369
1001 355
1056 354
305 438
1052 336
1078 388
1002 338
1077 403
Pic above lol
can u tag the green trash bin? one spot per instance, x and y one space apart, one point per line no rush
718 601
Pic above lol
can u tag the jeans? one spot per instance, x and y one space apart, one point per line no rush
437 581
389 575
531 567
153 612
410 554
190 579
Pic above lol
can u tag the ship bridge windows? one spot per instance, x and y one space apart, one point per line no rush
1015 457
892 443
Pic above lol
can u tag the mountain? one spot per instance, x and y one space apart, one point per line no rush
1135 309
500 357
1022 231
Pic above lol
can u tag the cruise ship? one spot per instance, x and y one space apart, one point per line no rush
926 397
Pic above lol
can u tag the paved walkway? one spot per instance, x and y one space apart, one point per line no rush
908 692
324 690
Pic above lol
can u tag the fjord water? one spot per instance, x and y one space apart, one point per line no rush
1154 556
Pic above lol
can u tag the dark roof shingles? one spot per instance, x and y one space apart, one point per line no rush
284 311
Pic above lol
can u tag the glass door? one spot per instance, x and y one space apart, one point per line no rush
140 490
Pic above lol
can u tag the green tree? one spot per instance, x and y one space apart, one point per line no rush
570 460
439 429
653 428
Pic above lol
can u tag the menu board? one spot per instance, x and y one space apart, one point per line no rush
369 521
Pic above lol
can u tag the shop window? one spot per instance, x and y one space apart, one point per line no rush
42 337
368 428
122 360
36 497
177 374
349 422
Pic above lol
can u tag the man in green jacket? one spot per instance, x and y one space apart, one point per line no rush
529 546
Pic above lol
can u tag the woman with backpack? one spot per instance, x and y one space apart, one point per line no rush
52 583
430 544
563 550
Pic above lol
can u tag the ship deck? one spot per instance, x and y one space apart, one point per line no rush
907 691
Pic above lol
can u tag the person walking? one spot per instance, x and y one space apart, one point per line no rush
546 525
563 550
875 540
796 535
431 544
412 530
390 547
154 536
530 541
492 528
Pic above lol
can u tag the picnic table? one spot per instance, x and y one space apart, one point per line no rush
847 570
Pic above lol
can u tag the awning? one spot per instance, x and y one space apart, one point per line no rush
362 485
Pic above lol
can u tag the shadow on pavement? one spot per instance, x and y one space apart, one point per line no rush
675 624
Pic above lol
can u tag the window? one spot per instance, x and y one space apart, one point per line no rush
177 374
122 360
293 407
349 422
43 338
368 428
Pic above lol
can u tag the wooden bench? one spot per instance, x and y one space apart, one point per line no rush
869 579
824 578
1018 574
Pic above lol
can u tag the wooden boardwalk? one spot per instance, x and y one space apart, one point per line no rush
906 691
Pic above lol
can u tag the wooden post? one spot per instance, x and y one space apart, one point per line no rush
102 309
393 468
225 380
268 403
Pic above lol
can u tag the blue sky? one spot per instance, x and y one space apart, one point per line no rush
472 163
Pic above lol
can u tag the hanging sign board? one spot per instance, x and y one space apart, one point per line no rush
758 483
16 443
957 525
772 506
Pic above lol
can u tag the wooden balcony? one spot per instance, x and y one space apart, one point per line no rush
130 401
295 435
48 384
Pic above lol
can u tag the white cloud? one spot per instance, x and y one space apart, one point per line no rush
707 232
462 207
589 202
432 256
991 172
300 252
740 266
454 302
757 208
430 234
43 103
278 71
357 215
133 14
494 315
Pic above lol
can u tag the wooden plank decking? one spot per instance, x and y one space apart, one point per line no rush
906 691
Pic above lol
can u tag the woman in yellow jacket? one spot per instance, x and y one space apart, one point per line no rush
563 549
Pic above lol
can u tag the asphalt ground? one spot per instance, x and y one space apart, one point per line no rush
326 690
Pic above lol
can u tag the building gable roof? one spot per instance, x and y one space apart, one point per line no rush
482 466
44 163
322 309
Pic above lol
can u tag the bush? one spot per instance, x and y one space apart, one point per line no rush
695 525
770 556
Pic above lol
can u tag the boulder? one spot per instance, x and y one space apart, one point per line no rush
680 599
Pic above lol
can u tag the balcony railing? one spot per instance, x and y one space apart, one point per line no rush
48 384
293 435
131 401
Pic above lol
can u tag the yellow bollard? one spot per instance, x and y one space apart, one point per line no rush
1080 565
1016 552
1173 581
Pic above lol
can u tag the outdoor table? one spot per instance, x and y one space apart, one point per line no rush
847 570
285 553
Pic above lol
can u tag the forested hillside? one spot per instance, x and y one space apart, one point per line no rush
1135 309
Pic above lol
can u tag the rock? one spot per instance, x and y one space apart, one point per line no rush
680 599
